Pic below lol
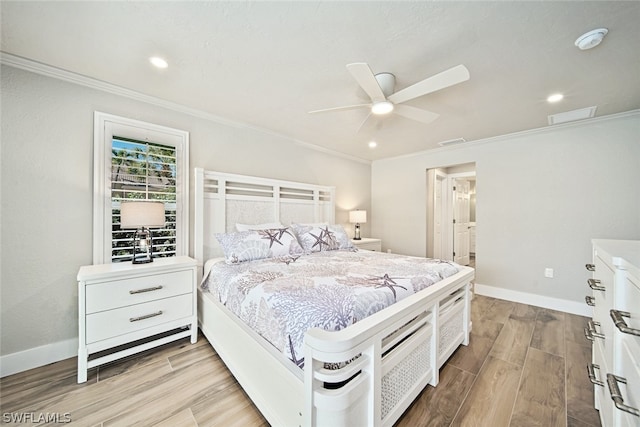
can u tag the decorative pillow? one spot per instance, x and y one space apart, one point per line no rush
265 226
316 238
259 244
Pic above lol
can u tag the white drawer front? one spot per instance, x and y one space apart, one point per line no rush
629 370
373 246
108 324
109 295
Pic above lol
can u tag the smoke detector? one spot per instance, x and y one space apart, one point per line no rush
591 39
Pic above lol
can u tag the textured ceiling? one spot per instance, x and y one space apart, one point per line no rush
266 64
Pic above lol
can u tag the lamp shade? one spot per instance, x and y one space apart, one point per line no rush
358 217
139 214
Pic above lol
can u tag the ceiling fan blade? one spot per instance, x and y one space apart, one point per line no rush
367 81
450 77
414 113
366 121
346 107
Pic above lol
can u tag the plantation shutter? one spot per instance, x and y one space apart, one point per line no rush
142 170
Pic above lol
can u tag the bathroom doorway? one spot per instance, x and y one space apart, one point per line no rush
451 213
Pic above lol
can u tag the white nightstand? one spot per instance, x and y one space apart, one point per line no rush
129 305
368 243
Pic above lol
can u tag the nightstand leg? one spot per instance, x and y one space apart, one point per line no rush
194 332
82 365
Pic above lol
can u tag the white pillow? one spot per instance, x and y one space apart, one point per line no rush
265 226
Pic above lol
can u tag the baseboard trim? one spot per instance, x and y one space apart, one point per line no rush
558 304
38 356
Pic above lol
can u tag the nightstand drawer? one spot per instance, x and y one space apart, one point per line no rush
370 246
108 324
109 295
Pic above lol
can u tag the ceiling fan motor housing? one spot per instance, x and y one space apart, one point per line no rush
387 82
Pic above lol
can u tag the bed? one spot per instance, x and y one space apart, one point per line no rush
366 373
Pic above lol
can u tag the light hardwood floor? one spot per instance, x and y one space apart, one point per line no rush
525 366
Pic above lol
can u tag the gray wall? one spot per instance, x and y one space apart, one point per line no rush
46 190
541 197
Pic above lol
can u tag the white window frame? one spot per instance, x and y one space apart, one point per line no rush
105 127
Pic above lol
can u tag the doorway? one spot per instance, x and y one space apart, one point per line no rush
451 213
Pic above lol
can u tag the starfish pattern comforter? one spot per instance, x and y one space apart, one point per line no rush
282 298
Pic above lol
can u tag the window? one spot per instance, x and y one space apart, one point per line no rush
137 160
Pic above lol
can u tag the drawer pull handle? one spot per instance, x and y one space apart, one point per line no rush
141 291
146 316
590 267
616 396
591 367
592 329
591 301
595 285
618 320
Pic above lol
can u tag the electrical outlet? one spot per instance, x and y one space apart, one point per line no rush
548 272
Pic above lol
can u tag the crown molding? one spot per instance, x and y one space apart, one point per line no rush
528 132
82 80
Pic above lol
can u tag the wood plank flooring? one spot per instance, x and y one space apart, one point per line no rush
524 366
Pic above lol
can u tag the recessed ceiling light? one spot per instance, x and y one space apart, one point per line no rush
555 97
373 144
591 39
158 62
382 107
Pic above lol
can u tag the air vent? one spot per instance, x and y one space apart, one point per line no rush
452 142
571 116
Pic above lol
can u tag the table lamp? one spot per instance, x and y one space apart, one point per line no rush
358 217
142 215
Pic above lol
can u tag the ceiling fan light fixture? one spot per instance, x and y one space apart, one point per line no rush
382 107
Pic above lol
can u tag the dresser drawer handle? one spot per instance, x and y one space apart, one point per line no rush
591 301
146 316
618 320
591 367
592 329
616 396
140 291
595 285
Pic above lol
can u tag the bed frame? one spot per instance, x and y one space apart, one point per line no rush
394 353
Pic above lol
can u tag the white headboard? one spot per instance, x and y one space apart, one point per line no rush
222 200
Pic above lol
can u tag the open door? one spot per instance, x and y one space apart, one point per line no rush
449 208
461 220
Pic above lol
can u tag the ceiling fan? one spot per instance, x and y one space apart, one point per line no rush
380 87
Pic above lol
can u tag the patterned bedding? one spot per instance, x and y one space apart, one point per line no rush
281 298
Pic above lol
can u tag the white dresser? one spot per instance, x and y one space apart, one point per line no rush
615 331
368 244
134 307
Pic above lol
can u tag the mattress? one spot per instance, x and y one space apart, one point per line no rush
281 299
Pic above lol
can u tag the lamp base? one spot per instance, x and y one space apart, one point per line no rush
142 247
357 233
142 260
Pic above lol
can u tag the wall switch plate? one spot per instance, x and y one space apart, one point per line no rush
548 272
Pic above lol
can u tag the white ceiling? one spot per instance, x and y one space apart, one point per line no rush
266 64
